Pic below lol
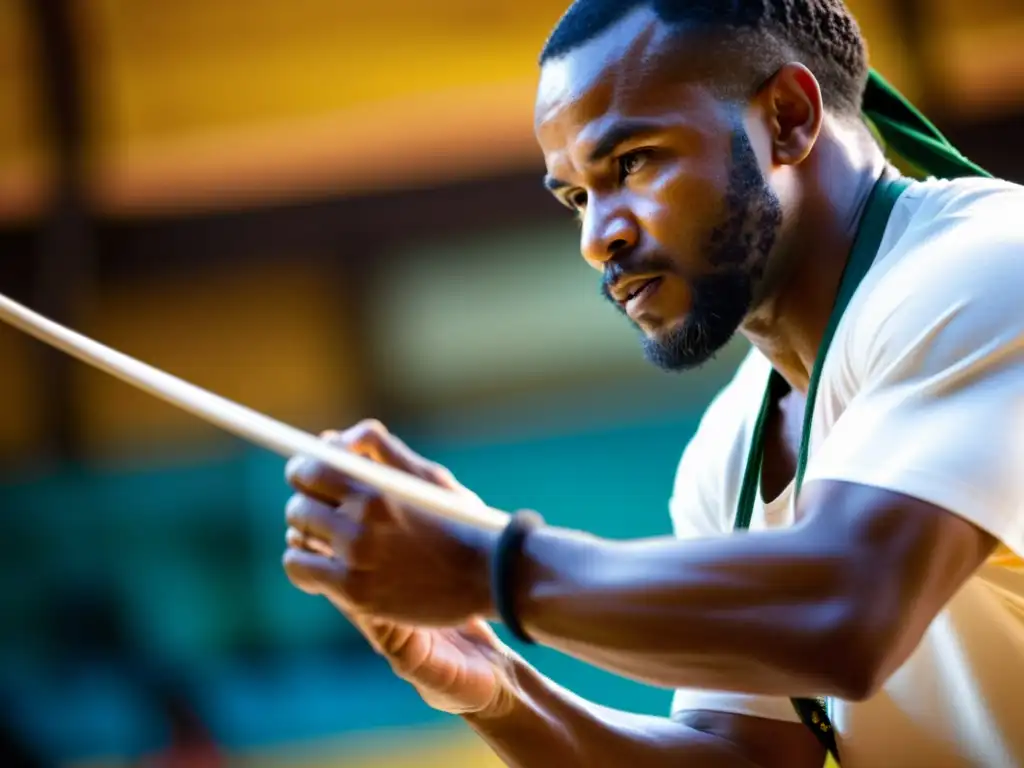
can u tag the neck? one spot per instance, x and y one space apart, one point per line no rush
829 192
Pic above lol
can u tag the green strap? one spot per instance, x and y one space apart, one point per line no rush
908 134
865 248
814 712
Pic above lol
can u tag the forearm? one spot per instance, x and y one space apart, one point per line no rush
546 725
765 613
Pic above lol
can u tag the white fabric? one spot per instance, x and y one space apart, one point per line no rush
922 394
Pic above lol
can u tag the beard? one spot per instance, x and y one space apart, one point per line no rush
737 251
720 303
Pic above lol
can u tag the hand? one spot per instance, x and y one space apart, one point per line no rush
460 671
380 558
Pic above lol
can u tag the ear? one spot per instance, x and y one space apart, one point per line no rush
791 100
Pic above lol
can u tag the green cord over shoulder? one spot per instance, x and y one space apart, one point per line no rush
910 135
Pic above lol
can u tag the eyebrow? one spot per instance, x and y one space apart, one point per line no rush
617 134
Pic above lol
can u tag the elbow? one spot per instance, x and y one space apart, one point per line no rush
857 682
863 651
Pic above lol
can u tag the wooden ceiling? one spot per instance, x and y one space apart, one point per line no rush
194 104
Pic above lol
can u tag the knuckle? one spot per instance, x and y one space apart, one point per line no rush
303 471
292 565
439 474
318 480
368 434
294 510
373 427
299 469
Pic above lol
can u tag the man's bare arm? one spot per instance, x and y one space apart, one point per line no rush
831 606
545 725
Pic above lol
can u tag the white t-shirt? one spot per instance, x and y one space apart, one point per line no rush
922 394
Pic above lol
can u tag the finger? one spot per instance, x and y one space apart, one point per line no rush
317 519
313 574
370 438
366 439
345 531
478 629
368 626
318 480
356 532
297 539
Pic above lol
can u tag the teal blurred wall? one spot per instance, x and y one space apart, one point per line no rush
190 554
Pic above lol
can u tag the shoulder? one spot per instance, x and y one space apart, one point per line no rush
945 231
964 234
714 459
933 198
950 273
924 392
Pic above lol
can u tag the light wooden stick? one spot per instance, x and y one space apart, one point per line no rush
249 424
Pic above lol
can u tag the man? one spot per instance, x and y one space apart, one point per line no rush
725 181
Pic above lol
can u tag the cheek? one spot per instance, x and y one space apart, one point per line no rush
684 205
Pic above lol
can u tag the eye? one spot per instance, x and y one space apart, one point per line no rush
633 162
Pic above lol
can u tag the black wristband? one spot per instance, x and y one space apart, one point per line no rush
504 570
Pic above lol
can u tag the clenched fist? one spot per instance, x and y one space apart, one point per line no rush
414 584
379 557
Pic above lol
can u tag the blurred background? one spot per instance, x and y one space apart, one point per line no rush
326 210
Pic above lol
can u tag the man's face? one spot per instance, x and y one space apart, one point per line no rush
674 208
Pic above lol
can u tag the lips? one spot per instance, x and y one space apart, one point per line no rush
628 288
639 298
640 289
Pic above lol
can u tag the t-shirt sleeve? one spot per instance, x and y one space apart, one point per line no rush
701 507
936 361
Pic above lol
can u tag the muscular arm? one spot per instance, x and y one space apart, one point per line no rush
934 361
545 725
829 607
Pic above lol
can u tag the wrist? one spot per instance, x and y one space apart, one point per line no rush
508 568
563 577
481 545
505 708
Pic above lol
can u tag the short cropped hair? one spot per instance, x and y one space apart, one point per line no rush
821 34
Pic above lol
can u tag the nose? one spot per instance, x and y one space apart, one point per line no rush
608 231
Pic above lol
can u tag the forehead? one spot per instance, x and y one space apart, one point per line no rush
638 67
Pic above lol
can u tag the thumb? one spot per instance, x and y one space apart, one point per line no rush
478 629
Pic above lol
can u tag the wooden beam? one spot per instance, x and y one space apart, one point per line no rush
64 248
